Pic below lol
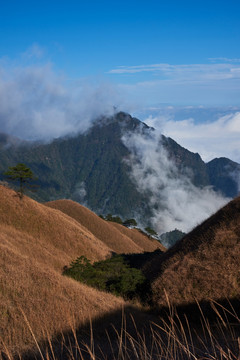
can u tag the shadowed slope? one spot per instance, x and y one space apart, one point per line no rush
35 243
51 302
119 242
204 264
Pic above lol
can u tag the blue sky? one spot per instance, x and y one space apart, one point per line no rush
96 38
136 54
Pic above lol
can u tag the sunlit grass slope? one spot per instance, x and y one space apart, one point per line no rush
35 243
204 264
118 241
146 243
58 234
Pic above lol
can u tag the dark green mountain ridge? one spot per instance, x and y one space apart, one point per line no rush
90 167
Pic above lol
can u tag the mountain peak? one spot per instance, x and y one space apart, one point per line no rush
133 122
91 167
121 119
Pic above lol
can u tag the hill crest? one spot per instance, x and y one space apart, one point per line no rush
204 264
118 238
36 242
62 235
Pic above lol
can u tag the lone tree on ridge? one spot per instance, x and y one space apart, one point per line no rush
22 174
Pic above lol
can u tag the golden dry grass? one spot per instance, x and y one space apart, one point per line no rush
112 236
204 264
146 243
35 243
50 301
57 233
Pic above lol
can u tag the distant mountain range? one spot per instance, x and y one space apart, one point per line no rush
90 168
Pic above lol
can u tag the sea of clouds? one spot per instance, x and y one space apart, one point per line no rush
217 136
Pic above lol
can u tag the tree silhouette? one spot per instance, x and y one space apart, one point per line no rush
22 174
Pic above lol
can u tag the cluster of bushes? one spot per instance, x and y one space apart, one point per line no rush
117 219
113 275
148 231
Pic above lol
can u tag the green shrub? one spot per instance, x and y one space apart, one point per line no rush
116 219
113 275
150 231
130 222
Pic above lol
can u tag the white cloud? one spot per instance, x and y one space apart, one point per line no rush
80 193
224 59
38 103
208 88
193 72
208 84
219 138
175 201
34 51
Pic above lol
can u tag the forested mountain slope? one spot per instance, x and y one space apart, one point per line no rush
91 168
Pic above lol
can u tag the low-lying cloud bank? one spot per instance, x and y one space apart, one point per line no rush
218 138
175 201
38 104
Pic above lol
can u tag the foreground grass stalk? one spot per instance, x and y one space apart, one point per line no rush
32 333
7 352
173 338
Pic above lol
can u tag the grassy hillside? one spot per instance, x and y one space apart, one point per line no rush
35 243
37 302
204 264
142 240
51 302
103 230
58 233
